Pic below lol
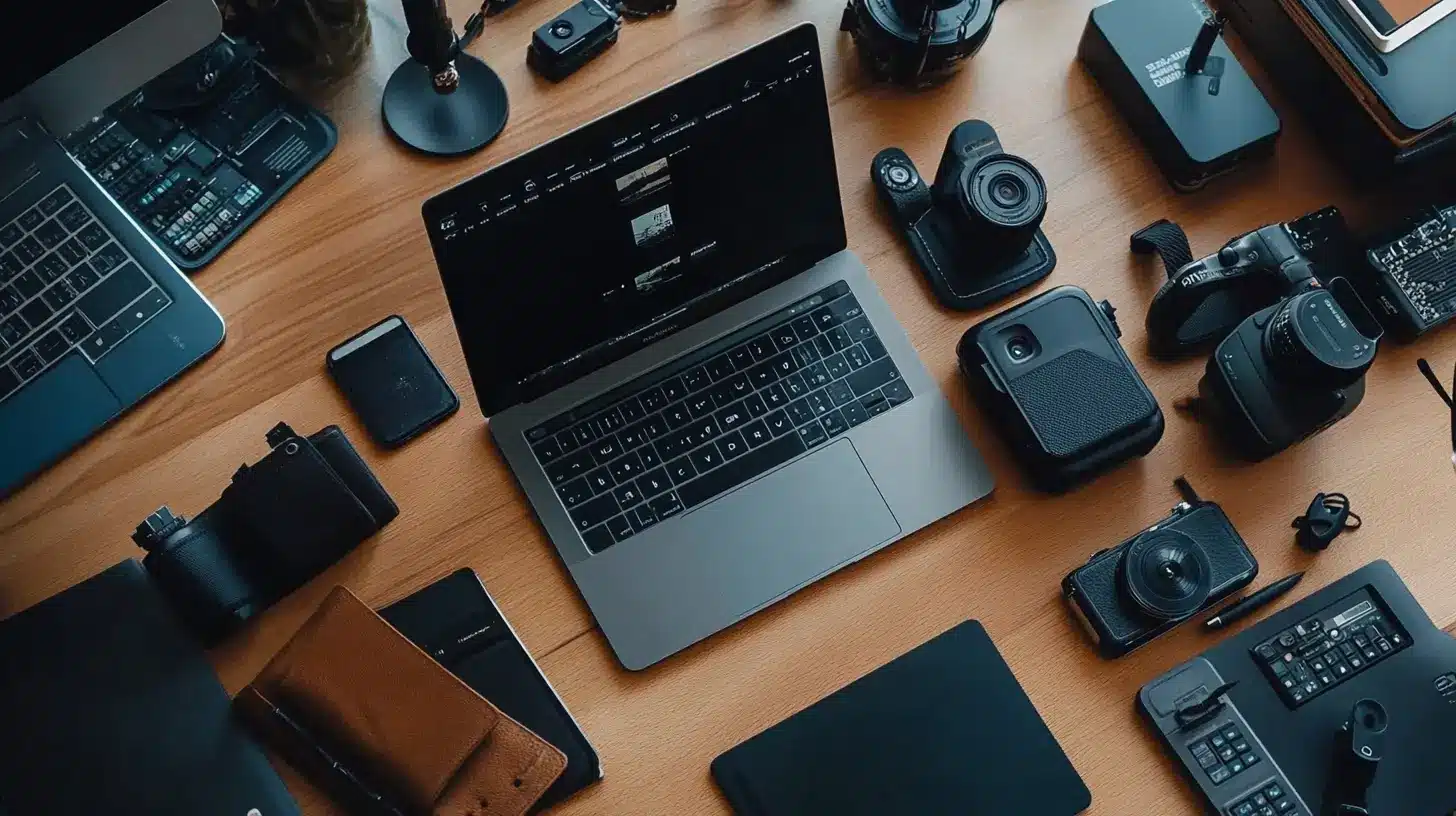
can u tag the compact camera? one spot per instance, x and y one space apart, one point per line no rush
279 523
976 233
1292 351
573 38
1161 577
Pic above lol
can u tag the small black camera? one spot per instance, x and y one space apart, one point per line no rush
917 42
573 38
1292 351
279 523
1161 577
976 234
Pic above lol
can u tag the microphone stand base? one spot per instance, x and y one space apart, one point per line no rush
450 124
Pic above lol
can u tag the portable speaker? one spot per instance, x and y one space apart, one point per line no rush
1062 393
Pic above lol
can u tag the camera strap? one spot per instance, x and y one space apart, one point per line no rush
1178 321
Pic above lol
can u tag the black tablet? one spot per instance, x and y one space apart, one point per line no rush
943 729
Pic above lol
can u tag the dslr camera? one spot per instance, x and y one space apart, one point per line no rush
279 523
1161 577
1293 338
976 233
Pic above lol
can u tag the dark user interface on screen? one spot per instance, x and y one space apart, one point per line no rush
633 227
53 33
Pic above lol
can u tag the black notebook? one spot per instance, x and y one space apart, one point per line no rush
943 729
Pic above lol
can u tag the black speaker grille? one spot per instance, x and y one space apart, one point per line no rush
1079 399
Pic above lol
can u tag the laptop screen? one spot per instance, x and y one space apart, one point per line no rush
641 223
56 31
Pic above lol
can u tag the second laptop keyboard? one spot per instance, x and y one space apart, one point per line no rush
718 417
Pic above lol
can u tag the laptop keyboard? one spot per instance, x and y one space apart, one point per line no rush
717 418
65 283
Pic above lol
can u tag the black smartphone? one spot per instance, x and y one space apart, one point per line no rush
391 382
455 621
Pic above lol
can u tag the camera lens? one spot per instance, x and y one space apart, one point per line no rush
1020 349
1004 199
1311 339
561 29
1166 574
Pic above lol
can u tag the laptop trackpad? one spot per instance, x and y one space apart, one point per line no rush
687 578
50 416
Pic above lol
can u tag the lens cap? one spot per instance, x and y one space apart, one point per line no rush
1166 574
1005 200
1313 339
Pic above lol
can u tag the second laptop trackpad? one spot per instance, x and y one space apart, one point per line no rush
693 575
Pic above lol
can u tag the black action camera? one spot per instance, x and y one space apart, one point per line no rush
976 234
1291 352
1161 577
573 38
279 523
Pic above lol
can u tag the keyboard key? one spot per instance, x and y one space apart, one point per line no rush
570 466
732 416
588 515
823 346
784 365
605 449
700 405
51 346
644 516
29 250
859 329
805 329
854 414
666 506
10 266
74 217
10 235
805 354
633 437
10 300
54 201
756 433
840 393
93 237
51 268
574 492
673 389
31 218
755 463
762 348
13 330
874 348
800 412
706 458
812 434
778 423
784 337
547 451
775 397
755 405
600 481
627 467
51 234
827 318
677 416
872 376
697 379
874 403
36 312
839 338
654 483
838 367
821 404
621 528
654 426
794 386
628 495
731 445
816 375
681 470
896 392
583 433
607 423
857 357
26 364
59 296
741 358
720 367
73 252
652 399
762 375
834 423
670 447
113 294
598 539
649 457
108 258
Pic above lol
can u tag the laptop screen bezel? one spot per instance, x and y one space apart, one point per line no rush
496 394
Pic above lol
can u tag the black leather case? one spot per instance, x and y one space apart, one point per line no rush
1075 406
391 382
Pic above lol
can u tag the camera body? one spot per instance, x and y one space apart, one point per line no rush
279 523
1061 391
1292 350
573 38
1159 578
976 233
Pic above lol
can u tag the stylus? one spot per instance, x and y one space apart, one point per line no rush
1245 607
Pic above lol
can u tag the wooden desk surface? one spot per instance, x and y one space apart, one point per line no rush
348 247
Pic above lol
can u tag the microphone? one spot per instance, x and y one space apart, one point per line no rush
443 102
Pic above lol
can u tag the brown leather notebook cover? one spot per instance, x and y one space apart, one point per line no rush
401 724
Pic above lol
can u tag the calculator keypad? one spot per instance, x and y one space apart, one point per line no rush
1224 754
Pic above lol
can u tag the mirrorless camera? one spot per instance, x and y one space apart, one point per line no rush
1292 347
1161 577
573 38
976 233
279 523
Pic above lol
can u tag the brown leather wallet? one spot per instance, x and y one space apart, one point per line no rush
350 700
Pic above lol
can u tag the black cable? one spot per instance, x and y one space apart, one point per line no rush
1328 516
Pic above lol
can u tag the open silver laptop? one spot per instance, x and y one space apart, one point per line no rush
704 397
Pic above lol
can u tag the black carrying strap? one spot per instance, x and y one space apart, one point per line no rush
1167 240
1177 322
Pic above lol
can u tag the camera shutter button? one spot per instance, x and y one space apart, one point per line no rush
1228 256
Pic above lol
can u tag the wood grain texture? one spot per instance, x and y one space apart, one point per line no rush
348 247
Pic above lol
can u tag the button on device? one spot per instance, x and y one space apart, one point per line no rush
1219 775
